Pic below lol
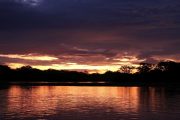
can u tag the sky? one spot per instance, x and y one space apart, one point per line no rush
93 35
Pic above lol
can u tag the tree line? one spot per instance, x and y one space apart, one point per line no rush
162 72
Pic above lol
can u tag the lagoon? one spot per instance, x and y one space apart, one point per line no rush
89 103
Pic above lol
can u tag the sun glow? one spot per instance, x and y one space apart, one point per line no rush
15 65
44 62
77 67
74 67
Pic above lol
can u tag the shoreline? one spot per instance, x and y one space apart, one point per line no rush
113 84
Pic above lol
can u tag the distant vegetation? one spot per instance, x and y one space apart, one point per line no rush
163 72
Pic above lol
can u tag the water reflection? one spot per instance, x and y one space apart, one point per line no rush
58 102
47 99
156 98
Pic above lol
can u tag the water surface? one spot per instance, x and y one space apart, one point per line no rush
89 103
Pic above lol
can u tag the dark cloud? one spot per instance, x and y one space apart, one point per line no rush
74 13
106 28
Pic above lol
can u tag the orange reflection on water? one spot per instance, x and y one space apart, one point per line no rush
155 97
35 101
48 100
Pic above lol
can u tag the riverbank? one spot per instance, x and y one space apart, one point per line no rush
100 83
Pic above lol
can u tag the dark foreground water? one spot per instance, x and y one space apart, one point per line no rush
89 103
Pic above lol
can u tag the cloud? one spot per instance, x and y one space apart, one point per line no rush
89 32
90 13
33 57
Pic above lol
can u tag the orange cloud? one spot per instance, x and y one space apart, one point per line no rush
91 65
30 57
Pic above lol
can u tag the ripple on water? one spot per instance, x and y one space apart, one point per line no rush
79 103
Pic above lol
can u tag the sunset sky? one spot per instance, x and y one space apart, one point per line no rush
94 35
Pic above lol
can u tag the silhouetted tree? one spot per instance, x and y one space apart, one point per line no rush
167 66
145 67
25 68
126 69
4 68
163 72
